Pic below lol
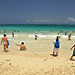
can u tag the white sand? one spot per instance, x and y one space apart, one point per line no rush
38 59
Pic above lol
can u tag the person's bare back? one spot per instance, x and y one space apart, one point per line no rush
4 40
22 46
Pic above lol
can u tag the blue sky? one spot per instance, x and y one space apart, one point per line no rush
37 11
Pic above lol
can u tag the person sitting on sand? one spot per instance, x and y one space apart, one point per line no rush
4 40
73 52
56 46
22 46
69 37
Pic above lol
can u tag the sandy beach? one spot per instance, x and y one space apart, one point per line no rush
31 31
37 59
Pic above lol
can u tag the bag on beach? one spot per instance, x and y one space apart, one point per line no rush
57 44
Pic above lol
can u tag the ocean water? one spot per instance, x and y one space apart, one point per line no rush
40 29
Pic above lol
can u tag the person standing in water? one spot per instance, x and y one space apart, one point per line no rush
36 36
12 34
4 40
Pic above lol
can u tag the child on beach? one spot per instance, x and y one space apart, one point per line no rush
22 46
56 46
73 52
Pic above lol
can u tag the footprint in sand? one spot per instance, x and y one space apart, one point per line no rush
2 62
8 60
10 64
72 66
36 53
51 57
45 59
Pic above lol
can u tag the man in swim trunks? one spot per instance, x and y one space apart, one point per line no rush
73 52
4 40
22 46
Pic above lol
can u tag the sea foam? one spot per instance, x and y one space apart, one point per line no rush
52 36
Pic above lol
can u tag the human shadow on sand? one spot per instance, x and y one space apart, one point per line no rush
73 60
53 55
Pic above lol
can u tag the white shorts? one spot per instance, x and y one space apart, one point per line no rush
55 49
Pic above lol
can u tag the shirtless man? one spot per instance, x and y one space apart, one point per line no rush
22 46
4 40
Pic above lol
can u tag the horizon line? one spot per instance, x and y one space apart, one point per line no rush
41 24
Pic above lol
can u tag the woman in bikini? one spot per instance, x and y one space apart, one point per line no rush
4 40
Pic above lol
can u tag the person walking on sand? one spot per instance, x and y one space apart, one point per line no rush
4 40
73 52
36 36
56 46
22 46
69 37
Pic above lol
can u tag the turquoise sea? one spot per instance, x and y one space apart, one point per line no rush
43 29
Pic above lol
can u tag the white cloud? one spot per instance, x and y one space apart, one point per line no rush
71 19
43 21
37 21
